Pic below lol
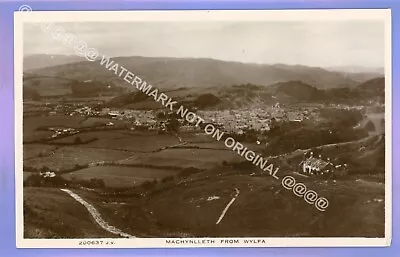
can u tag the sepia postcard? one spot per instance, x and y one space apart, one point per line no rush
152 129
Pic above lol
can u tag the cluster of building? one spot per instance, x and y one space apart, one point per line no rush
66 108
47 174
63 131
231 121
316 166
237 121
138 117
85 111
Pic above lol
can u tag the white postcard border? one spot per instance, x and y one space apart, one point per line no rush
206 16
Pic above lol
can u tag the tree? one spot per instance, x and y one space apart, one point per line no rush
97 183
149 184
173 125
45 169
77 141
370 126
166 179
30 93
161 115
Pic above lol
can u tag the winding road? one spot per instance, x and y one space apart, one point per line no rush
96 215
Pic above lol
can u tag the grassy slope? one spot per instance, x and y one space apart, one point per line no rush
117 176
363 156
263 208
51 213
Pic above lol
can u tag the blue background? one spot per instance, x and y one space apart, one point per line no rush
7 168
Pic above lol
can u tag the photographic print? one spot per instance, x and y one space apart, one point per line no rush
203 128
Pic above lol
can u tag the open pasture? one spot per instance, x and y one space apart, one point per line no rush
26 175
32 123
100 121
185 158
81 138
133 142
37 150
197 137
117 176
36 135
66 158
220 145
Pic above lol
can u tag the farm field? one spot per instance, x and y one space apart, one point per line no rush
102 121
32 123
132 142
197 137
35 135
96 121
83 138
36 150
220 145
26 175
119 177
217 145
46 85
69 156
185 158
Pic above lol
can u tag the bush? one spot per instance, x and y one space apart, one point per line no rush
45 169
36 180
166 179
206 100
97 183
370 126
77 141
188 171
342 118
149 184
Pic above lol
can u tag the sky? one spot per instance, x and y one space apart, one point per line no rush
311 43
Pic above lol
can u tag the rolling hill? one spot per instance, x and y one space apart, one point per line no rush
373 87
39 61
168 73
249 95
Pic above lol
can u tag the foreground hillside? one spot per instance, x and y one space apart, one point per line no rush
192 205
263 207
50 213
364 156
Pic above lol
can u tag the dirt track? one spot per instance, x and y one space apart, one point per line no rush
96 215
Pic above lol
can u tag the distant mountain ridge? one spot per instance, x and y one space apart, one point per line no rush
39 61
172 73
357 69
